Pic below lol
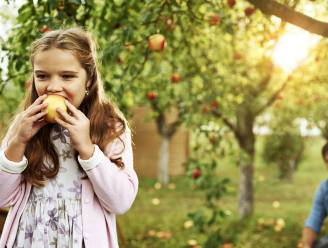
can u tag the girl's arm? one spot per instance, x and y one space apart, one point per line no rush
313 223
309 236
10 171
115 188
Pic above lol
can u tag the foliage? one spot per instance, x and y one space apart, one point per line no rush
284 149
202 171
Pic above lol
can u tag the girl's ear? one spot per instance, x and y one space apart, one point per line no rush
88 84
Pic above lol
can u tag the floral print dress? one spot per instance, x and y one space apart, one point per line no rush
52 217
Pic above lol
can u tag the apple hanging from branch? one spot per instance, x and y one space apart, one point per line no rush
231 3
214 19
151 95
45 29
175 78
156 42
196 173
249 11
214 105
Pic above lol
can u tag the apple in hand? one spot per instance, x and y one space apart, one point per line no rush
54 102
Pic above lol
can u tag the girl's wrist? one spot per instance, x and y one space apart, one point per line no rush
87 151
15 150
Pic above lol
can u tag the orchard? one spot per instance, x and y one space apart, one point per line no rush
245 78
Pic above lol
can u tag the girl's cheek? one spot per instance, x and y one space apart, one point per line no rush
39 90
70 96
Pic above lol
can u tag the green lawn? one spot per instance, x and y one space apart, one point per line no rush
294 203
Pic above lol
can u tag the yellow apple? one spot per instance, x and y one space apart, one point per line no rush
156 42
54 102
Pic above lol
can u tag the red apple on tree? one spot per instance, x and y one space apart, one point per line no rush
175 77
196 173
231 3
237 56
249 11
44 29
151 95
156 42
214 19
214 105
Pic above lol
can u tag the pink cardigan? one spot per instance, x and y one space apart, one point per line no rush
107 191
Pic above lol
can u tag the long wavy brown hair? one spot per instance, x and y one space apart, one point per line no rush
106 121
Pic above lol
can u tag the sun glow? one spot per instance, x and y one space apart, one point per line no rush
293 48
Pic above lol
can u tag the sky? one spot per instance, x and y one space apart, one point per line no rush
11 10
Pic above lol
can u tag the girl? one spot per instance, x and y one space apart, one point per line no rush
65 182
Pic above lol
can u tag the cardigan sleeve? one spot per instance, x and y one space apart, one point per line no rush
10 176
318 212
116 188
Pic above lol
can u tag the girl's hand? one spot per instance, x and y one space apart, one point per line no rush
29 122
78 126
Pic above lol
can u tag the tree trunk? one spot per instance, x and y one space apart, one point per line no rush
163 169
246 140
246 198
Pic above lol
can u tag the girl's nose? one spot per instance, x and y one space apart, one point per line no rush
54 85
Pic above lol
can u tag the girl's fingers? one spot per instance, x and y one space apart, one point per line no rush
38 116
35 109
40 124
66 117
72 109
39 100
62 123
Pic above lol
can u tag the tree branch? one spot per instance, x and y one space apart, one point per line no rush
273 97
287 14
218 114
172 128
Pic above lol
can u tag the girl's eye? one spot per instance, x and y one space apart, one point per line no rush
67 76
41 77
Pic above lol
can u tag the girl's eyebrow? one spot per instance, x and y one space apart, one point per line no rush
40 71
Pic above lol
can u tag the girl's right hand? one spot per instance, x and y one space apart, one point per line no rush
29 122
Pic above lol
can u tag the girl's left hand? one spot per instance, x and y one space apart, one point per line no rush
78 126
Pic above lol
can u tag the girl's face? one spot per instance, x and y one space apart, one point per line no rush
59 72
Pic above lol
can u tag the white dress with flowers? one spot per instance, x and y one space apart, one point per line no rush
52 216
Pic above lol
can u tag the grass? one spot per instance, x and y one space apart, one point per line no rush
295 199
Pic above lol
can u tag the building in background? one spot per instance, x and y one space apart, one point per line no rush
147 144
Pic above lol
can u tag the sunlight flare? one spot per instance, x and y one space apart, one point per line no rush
293 48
